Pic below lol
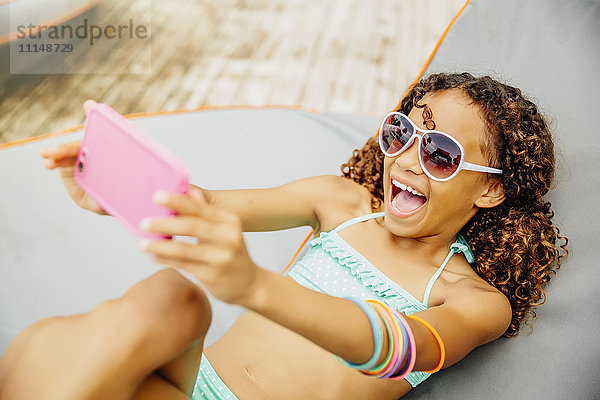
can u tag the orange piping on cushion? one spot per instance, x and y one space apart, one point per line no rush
435 49
38 138
156 113
430 58
208 108
168 112
297 252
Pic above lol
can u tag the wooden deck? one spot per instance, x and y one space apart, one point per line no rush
355 56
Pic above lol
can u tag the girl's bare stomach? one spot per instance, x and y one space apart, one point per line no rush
259 359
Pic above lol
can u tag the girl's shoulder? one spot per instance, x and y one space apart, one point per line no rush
460 281
341 199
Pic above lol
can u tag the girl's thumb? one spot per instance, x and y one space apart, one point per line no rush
197 194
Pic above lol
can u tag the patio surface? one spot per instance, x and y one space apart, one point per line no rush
354 56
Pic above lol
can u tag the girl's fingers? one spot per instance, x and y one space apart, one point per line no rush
48 152
88 104
184 254
191 204
171 249
180 203
179 226
52 163
66 150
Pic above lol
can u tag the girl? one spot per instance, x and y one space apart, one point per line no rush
436 240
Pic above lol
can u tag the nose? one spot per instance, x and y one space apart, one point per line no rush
408 160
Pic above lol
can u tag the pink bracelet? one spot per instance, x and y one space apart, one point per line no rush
402 351
397 364
412 350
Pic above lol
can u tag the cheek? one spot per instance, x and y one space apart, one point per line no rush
453 197
387 163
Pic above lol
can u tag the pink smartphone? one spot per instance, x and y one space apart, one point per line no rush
122 168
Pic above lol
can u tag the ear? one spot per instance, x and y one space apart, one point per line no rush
492 196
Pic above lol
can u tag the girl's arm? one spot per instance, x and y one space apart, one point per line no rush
220 261
471 318
287 206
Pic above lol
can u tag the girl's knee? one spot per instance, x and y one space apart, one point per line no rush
168 304
154 322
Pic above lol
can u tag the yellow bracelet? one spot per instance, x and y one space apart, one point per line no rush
394 346
438 338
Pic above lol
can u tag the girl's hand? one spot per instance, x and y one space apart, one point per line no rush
64 158
218 257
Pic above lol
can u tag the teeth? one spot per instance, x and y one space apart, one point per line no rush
407 188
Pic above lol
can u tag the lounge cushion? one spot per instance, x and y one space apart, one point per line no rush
56 259
551 50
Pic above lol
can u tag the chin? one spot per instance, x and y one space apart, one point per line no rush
403 230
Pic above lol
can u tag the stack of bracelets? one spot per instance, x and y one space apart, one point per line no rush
402 354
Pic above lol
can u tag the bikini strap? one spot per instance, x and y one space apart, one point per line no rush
460 246
356 220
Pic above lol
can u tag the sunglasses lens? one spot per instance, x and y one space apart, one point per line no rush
441 155
395 133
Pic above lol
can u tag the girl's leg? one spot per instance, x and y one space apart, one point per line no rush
151 337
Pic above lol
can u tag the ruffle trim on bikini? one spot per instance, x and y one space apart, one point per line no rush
364 273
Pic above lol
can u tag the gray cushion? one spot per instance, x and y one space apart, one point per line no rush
551 50
56 259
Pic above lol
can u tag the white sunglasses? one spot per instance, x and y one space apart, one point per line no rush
441 155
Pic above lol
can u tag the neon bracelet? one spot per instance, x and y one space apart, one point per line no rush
377 337
391 343
412 350
439 340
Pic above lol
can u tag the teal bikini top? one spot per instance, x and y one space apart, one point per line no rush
332 266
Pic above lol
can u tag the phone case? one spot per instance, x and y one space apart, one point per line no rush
122 168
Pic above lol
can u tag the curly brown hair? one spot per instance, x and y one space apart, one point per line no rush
515 243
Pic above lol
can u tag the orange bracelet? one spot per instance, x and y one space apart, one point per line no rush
437 338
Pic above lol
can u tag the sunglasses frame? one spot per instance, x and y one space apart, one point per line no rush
463 164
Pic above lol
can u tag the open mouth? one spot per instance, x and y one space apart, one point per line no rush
404 199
